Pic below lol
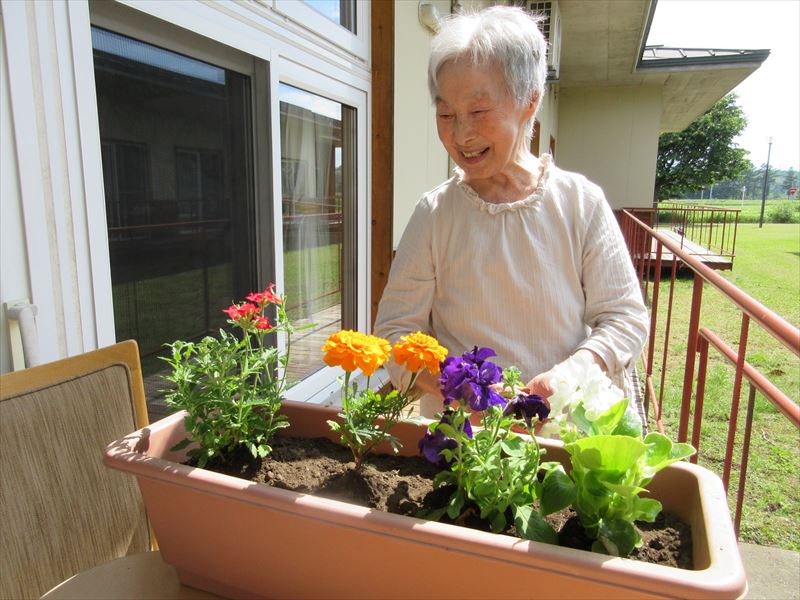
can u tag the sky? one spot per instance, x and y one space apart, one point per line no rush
770 97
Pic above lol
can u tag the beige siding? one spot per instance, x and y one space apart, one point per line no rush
611 136
420 162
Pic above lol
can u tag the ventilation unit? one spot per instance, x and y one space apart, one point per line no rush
551 28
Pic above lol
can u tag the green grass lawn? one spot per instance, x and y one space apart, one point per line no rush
767 266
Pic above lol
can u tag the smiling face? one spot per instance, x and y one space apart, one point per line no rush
479 124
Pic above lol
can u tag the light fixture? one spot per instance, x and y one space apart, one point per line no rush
428 15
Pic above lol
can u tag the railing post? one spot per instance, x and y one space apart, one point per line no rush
748 428
737 392
651 347
691 350
700 394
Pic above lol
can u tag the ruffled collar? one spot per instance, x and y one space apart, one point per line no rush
493 208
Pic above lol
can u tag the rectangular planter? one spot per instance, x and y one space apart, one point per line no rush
242 539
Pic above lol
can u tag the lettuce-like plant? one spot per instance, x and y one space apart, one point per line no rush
611 463
609 472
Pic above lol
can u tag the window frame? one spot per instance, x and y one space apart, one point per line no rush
321 385
250 46
354 43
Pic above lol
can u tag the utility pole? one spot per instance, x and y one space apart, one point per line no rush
766 181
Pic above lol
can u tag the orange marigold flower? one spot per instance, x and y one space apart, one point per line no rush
353 350
418 351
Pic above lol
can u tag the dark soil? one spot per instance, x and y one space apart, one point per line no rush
403 485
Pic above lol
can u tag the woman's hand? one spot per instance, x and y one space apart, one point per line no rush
541 383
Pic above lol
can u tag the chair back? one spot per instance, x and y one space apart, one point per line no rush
61 510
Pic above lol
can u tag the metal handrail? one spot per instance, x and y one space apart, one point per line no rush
640 238
788 334
701 224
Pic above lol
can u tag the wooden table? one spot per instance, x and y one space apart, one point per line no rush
142 576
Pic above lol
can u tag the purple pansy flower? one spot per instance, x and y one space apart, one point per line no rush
526 407
469 377
432 444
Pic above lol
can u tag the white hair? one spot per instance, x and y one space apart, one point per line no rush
500 35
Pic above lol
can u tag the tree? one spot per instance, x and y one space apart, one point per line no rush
789 180
702 154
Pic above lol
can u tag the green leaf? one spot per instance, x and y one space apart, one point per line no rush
606 422
558 491
447 430
619 537
484 489
661 452
514 446
616 453
531 526
455 505
645 509
181 445
578 415
499 522
630 424
625 490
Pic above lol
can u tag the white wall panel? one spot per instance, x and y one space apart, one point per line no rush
14 283
611 136
420 161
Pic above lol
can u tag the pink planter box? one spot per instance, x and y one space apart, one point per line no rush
242 539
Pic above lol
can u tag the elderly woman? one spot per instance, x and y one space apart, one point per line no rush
511 252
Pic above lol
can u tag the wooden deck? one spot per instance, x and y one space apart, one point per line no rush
706 256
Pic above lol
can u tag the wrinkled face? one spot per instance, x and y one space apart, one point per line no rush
479 123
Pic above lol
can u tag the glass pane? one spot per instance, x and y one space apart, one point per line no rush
341 12
176 157
315 178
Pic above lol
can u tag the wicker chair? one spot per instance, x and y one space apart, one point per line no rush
62 511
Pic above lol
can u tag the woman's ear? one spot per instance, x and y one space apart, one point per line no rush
532 105
535 97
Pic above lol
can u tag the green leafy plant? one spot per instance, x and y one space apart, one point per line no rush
368 416
610 471
496 473
611 463
231 386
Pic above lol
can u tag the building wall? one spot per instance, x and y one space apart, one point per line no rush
55 248
611 136
55 257
548 118
420 161
14 283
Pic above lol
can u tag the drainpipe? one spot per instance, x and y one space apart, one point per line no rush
25 316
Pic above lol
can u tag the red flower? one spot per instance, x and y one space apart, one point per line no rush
241 311
265 297
263 323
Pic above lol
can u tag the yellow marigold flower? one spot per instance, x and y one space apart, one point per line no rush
418 351
353 350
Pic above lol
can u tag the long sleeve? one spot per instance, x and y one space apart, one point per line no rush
614 308
406 303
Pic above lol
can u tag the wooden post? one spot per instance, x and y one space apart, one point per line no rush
382 149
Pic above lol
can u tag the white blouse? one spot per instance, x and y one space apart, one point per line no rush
535 279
